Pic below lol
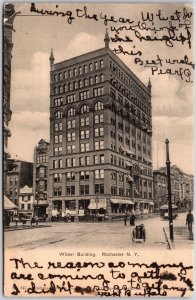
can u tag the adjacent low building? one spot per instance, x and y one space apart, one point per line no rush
25 203
19 174
40 173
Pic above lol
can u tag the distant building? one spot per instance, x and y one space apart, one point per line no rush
100 157
25 202
160 189
40 173
20 174
182 187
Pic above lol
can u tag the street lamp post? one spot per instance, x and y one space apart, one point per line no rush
97 201
169 191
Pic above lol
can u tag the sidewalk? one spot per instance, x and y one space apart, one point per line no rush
20 226
181 237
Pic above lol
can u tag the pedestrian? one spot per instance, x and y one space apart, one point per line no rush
36 220
189 221
132 219
16 220
125 219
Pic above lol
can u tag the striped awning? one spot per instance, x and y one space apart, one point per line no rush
121 201
8 204
128 164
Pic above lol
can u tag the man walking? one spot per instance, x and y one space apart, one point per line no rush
189 221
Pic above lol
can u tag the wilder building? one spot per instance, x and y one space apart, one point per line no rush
100 158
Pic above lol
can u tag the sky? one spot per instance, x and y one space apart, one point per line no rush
33 38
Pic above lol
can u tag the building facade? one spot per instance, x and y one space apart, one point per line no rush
25 203
40 173
7 56
182 187
20 174
159 189
100 157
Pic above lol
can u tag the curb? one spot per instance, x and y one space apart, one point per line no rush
25 227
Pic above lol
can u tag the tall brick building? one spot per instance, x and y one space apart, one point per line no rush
100 158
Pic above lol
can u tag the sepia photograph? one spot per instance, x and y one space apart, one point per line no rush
98 139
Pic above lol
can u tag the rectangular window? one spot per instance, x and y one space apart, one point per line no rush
70 176
85 69
84 189
90 67
96 65
70 148
84 121
84 95
96 159
102 159
57 163
98 118
58 101
80 70
84 147
74 71
99 145
71 124
71 136
99 188
57 150
84 175
57 177
101 63
58 138
99 174
58 127
99 131
71 190
84 134
98 91
71 98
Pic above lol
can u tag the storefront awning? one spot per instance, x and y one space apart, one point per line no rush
121 201
8 204
122 149
151 203
129 178
97 204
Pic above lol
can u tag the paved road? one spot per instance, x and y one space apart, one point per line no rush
91 235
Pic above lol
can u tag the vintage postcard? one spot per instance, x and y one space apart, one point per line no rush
98 149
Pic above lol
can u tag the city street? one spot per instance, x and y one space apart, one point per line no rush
104 235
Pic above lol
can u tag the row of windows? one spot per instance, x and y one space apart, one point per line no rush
84 190
79 70
83 175
42 158
83 161
83 122
83 110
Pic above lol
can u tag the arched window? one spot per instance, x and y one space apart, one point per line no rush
85 82
65 88
60 89
80 83
99 105
69 87
101 78
84 109
91 80
58 115
96 79
75 84
71 112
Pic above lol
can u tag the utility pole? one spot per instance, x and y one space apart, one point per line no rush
169 191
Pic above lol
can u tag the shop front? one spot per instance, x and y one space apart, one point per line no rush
9 211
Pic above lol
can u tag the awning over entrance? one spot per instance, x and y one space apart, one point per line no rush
9 205
121 201
97 204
